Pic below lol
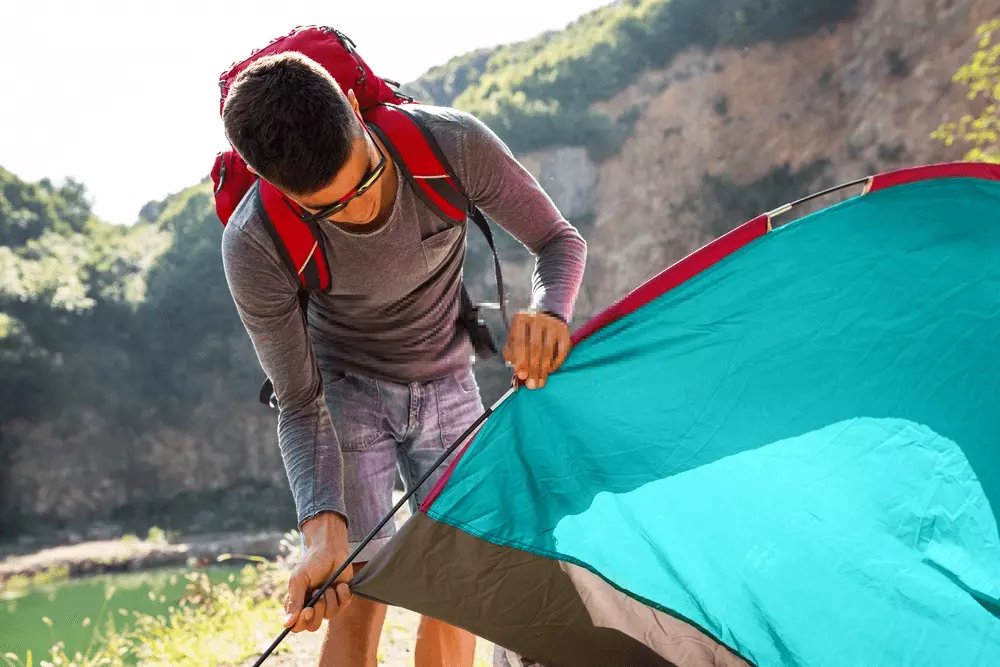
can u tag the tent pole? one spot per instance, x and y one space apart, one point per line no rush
333 577
789 206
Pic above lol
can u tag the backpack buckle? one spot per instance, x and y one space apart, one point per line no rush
479 333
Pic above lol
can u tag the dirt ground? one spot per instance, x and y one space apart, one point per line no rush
395 647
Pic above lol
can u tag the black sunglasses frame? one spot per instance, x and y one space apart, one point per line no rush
362 187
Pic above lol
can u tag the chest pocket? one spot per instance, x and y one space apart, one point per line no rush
441 246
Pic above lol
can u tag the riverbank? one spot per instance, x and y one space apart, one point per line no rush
135 555
156 550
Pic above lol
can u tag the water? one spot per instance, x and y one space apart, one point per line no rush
68 603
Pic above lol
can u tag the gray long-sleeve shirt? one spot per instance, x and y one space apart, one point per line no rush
393 300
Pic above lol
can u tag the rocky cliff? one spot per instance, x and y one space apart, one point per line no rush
720 137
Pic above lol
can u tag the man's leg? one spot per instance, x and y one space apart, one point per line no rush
364 415
352 638
443 410
443 645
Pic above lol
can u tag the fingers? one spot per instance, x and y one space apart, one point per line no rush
546 354
516 351
336 600
299 617
537 346
344 595
312 617
295 599
535 335
562 347
340 592
331 607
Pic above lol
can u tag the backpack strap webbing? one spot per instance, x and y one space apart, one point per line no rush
301 248
299 243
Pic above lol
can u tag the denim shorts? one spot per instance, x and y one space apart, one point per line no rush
386 426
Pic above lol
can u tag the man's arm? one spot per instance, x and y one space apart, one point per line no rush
510 195
266 297
267 302
507 192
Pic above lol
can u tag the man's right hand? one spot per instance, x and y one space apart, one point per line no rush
325 550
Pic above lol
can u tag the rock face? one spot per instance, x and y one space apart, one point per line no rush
719 138
836 106
219 471
569 177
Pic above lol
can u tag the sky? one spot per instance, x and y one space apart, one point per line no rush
123 95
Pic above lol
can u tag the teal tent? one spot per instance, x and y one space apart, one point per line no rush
783 450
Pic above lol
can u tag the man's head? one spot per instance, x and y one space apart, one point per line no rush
292 124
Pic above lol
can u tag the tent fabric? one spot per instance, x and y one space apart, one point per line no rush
782 450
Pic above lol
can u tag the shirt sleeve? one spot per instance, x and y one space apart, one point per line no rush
507 192
266 298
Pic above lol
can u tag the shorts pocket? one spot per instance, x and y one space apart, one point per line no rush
355 408
466 380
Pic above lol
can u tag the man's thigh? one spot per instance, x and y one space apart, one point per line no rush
362 427
447 407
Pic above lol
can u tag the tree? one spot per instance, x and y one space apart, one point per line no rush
982 76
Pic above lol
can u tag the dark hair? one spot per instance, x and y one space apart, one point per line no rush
288 119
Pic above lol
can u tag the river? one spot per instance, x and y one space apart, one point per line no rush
79 607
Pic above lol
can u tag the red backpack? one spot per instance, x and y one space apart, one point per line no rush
411 146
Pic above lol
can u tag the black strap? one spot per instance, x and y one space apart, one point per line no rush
484 226
479 333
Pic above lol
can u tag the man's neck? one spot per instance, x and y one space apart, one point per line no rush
389 190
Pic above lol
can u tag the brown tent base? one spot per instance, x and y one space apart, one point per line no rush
560 614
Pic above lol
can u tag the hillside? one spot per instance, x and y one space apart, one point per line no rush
130 386
121 348
540 93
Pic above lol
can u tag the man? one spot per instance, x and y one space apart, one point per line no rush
380 377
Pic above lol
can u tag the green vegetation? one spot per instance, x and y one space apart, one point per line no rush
982 76
218 619
538 93
132 323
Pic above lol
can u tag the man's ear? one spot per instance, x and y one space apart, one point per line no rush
353 100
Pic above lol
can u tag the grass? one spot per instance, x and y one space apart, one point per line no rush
213 624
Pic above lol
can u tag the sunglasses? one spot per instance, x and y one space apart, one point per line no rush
359 189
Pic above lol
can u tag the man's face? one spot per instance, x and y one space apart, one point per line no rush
355 193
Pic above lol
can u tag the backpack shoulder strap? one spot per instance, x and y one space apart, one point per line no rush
418 155
301 248
298 242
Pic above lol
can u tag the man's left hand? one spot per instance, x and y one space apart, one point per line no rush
536 347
